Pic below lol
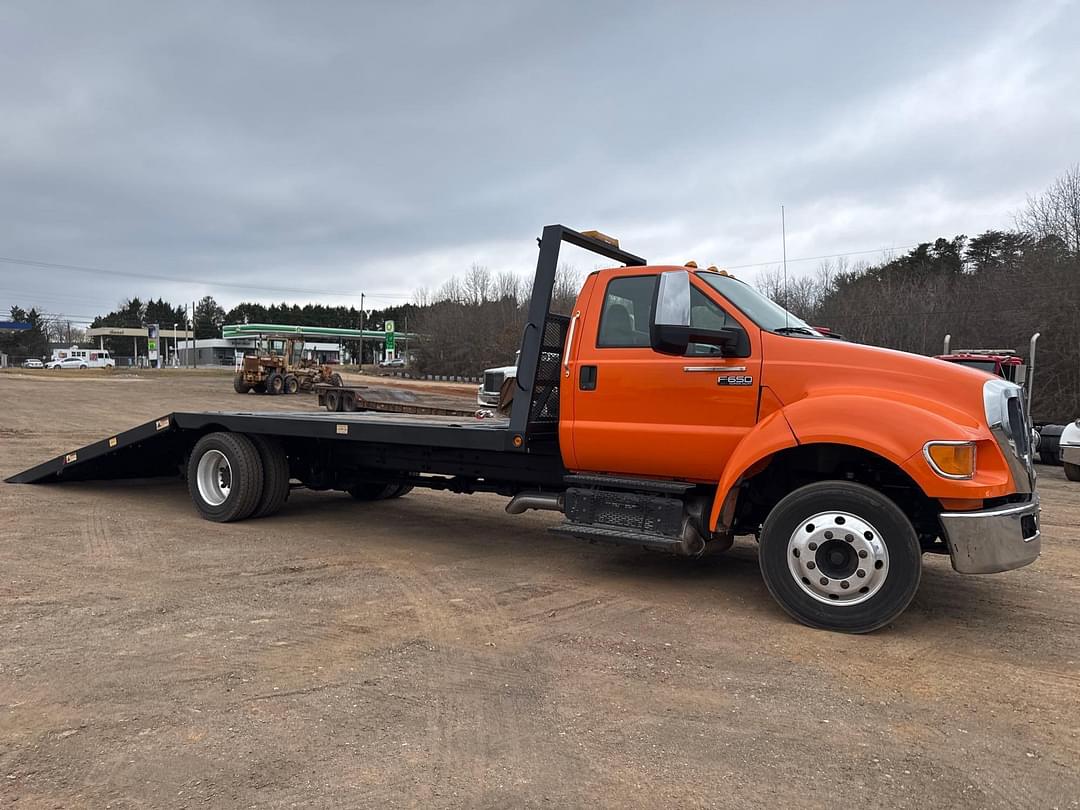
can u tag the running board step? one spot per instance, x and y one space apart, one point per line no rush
632 484
621 537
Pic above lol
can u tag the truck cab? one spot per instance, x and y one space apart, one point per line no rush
489 392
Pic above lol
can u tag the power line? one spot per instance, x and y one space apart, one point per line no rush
825 256
75 268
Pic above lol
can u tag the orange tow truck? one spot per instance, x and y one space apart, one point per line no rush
674 409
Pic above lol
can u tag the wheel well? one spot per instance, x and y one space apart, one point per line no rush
794 467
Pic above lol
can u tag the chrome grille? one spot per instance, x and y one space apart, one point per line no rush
1009 423
493 381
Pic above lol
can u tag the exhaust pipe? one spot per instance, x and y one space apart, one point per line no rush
1031 370
945 348
524 501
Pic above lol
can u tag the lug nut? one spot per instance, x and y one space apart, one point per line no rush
849 538
828 535
862 553
844 584
860 573
812 546
810 564
824 581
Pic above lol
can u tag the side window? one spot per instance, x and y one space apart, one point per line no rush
707 314
624 320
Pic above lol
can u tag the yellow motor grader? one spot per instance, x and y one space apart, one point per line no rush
280 366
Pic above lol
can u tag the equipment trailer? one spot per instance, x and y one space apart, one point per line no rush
675 409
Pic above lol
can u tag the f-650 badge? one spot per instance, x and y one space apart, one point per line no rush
735 379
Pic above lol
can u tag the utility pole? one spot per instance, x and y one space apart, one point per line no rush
194 335
362 317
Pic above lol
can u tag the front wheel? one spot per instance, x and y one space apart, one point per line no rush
837 555
335 380
1072 471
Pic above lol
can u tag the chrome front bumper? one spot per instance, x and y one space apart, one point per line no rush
992 540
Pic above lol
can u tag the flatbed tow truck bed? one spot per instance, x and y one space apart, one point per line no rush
145 450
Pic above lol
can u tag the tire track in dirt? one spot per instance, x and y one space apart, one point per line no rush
97 536
477 749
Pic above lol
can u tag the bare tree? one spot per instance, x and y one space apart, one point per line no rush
1056 212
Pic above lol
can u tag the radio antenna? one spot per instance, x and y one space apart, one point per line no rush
783 242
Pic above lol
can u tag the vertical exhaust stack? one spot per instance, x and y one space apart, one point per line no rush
1031 371
945 348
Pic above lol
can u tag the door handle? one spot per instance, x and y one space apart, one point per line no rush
569 343
587 378
713 369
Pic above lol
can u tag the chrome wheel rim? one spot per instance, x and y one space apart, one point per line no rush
214 477
838 558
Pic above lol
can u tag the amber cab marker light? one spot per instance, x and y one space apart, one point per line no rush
951 459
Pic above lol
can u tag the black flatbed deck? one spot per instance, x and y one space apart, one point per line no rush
142 451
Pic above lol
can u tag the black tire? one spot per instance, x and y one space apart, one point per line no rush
291 385
335 380
245 477
83 365
259 388
1072 471
275 383
275 466
333 401
238 384
894 587
376 491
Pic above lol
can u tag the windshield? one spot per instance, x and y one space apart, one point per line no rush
982 365
761 310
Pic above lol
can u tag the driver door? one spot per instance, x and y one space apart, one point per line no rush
640 412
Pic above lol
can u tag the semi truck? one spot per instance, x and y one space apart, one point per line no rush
673 409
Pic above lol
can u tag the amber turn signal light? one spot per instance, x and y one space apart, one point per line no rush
951 459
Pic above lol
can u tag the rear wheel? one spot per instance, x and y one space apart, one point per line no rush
275 464
333 400
1072 471
291 385
840 556
275 383
225 476
239 386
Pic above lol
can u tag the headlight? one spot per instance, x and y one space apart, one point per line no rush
951 459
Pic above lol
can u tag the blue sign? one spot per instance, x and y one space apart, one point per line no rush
15 326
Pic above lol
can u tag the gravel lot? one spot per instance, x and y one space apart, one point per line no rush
436 652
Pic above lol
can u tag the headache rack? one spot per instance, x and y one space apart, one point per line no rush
534 412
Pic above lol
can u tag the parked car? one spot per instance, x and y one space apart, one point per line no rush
32 362
397 362
68 362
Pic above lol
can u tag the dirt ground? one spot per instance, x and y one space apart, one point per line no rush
435 652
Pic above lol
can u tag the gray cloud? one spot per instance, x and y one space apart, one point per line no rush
379 147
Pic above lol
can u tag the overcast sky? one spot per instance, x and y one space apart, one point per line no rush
378 147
